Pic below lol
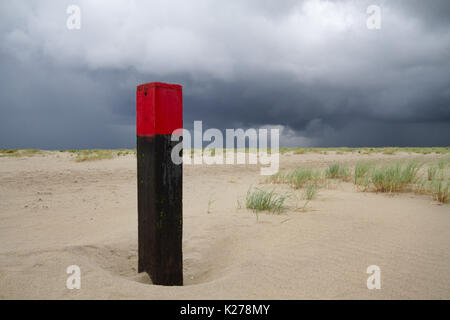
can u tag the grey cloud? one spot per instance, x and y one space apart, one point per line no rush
310 66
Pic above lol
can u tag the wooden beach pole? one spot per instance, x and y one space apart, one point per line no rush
159 109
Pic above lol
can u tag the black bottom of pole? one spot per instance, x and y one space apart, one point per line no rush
160 205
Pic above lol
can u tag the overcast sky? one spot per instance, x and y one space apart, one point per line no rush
312 68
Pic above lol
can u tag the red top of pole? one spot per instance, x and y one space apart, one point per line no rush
159 108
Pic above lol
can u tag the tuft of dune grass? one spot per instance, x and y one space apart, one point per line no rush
311 191
438 184
395 178
80 155
300 151
337 171
100 154
301 176
296 178
20 152
362 171
92 155
261 200
439 190
367 176
96 154
401 177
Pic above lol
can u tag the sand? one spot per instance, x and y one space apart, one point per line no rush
55 212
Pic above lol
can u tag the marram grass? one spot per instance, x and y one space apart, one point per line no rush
395 178
296 178
337 171
261 200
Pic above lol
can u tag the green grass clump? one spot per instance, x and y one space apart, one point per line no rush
439 190
300 176
443 163
19 152
432 171
261 200
93 155
438 183
410 172
361 175
337 171
9 151
386 179
125 152
100 154
296 178
278 178
389 150
333 171
300 151
368 151
400 177
311 190
395 178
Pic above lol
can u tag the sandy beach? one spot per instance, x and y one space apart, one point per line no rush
56 212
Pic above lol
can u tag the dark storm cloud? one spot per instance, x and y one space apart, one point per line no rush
429 13
309 67
51 108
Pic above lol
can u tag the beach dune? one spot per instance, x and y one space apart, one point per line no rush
56 212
